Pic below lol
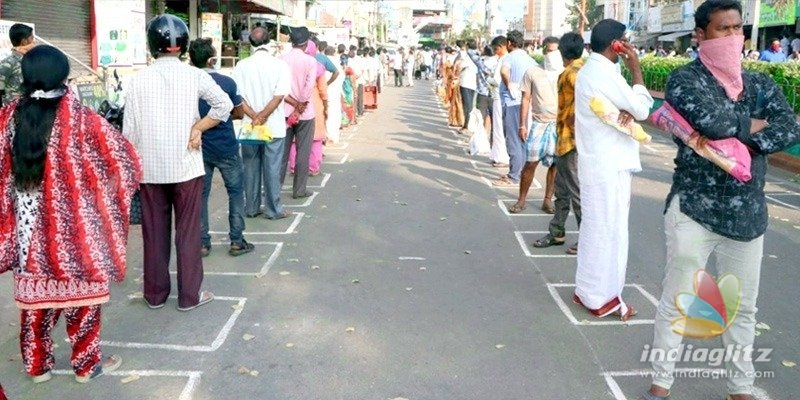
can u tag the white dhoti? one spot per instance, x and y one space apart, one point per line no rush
603 244
334 121
499 153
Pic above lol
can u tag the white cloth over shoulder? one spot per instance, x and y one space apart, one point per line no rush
598 144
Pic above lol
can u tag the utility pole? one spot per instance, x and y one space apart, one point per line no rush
754 32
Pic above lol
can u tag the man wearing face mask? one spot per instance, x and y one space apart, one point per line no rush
707 210
607 159
773 54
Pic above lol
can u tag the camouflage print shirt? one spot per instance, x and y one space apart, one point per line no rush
708 194
11 77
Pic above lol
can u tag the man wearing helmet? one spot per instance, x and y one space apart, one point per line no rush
162 122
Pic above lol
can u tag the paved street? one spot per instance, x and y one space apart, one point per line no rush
405 277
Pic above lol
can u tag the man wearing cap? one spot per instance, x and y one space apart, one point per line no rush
298 102
163 123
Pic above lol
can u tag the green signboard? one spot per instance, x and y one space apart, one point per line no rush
777 12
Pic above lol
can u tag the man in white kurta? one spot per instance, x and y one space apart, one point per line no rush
606 159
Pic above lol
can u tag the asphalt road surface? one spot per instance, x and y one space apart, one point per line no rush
404 277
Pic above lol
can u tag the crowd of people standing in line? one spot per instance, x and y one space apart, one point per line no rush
546 117
301 99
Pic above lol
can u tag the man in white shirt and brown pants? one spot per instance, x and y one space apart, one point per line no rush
163 123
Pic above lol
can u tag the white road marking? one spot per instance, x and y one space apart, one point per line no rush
411 258
325 178
562 305
527 251
502 204
218 341
758 393
342 161
298 216
534 185
264 268
309 200
186 393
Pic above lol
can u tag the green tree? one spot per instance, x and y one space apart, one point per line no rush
594 14
478 32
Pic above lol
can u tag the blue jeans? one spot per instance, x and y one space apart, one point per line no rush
262 166
514 145
232 174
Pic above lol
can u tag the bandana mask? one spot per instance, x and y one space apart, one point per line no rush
721 57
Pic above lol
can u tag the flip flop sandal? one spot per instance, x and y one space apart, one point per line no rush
110 364
205 298
516 208
205 251
627 314
572 250
547 241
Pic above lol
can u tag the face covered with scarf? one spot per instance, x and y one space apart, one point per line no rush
721 43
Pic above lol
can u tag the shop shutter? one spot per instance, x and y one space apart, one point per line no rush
64 23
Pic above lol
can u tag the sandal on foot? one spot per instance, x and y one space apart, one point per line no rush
505 182
282 215
238 249
41 378
548 207
205 251
205 298
572 250
547 241
110 364
625 312
517 208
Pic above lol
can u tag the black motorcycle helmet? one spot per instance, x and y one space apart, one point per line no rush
167 34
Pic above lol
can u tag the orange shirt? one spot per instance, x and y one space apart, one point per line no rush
565 123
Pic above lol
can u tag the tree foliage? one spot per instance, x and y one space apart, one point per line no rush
594 14
477 32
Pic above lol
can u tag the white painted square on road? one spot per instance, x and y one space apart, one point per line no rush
222 335
187 393
532 210
304 202
336 158
256 263
256 226
571 238
325 178
591 320
646 375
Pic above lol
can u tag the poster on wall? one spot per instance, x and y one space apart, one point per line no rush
211 27
5 42
120 32
777 12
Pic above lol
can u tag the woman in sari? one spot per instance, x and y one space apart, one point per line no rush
455 116
66 185
320 98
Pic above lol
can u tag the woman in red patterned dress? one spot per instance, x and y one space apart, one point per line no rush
66 182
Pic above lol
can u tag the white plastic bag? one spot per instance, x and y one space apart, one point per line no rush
479 142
